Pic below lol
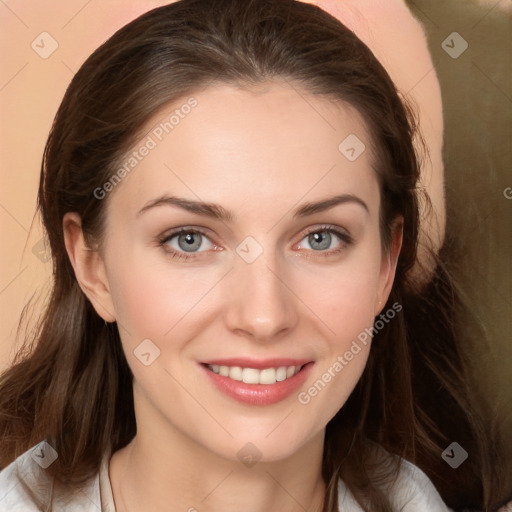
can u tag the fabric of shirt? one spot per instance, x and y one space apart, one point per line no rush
25 486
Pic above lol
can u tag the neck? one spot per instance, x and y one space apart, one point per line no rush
146 476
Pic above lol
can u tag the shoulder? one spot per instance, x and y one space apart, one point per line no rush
412 491
26 486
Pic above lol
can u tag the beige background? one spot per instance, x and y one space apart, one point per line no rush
477 93
31 89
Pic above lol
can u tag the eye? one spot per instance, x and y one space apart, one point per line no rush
185 243
326 240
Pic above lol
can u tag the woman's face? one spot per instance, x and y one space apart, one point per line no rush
275 283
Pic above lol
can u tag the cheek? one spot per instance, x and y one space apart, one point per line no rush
138 300
344 296
151 295
347 308
349 314
344 300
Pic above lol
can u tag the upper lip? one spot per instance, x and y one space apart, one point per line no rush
258 364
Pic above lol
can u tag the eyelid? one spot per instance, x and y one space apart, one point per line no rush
185 229
337 230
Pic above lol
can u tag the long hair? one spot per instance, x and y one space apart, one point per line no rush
73 386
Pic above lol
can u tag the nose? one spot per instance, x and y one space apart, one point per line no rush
261 304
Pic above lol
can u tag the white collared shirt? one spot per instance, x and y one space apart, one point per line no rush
25 486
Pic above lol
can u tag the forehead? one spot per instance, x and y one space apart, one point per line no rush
274 142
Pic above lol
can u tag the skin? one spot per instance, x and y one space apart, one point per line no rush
259 153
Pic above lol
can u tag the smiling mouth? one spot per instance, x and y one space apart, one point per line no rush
272 381
254 376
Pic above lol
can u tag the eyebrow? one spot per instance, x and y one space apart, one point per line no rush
217 211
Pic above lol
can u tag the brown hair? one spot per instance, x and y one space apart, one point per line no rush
73 385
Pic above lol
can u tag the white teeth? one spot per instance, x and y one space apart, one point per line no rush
235 373
267 376
250 376
254 376
281 373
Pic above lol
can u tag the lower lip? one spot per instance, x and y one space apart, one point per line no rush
259 394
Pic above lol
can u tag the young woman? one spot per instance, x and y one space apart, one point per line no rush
229 191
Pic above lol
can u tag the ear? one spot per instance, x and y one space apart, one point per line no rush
88 266
388 264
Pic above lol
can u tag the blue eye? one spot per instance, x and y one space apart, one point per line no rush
185 241
320 240
190 243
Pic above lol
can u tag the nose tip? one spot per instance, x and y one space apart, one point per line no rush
260 305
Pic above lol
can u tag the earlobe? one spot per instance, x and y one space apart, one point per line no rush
89 267
389 263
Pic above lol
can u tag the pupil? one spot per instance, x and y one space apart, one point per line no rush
323 239
190 244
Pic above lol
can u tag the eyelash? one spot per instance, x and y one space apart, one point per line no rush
345 238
